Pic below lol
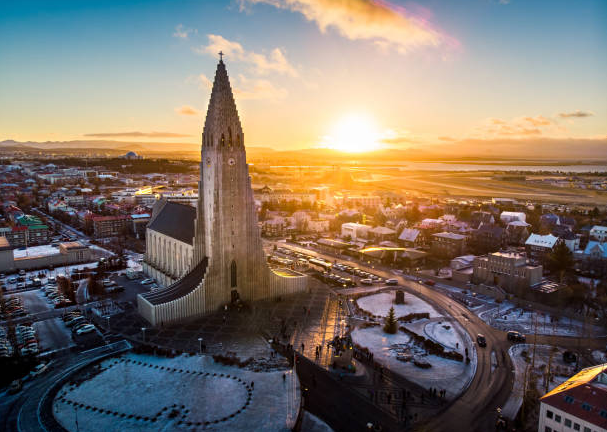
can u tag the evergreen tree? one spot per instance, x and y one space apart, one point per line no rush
560 259
391 325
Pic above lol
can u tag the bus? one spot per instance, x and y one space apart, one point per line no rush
320 265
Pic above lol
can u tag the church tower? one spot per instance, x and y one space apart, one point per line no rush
228 261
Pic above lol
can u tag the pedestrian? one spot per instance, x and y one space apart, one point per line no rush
252 385
284 377
302 347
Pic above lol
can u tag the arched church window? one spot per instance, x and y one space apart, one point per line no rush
233 272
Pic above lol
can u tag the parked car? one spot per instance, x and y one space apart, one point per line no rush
15 387
391 281
366 281
87 328
481 341
516 336
147 281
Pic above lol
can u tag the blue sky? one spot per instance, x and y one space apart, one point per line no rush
419 73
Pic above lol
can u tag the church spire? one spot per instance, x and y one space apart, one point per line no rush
222 116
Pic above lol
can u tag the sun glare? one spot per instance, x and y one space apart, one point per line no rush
354 133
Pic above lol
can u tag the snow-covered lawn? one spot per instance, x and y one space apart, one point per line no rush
444 333
179 394
380 304
446 374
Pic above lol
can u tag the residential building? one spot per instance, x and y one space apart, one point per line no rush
599 233
508 270
410 238
139 223
488 238
596 250
578 404
381 233
508 216
355 230
109 226
539 246
276 227
448 245
479 217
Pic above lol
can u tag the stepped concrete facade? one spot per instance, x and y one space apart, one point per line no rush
220 239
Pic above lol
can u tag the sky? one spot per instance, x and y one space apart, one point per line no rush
307 73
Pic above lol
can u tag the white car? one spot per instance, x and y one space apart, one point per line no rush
366 281
39 369
391 281
85 329
147 281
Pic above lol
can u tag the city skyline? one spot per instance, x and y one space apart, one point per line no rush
396 73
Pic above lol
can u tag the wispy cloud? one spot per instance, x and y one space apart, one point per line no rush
576 113
520 126
187 110
135 135
262 63
538 121
249 88
183 33
388 25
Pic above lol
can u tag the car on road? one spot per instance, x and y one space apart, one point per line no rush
429 282
87 328
42 367
147 281
391 281
366 281
515 336
481 341
15 387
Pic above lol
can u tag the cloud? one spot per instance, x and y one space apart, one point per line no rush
183 33
256 89
187 110
248 88
387 25
398 140
136 135
447 138
273 62
538 121
576 113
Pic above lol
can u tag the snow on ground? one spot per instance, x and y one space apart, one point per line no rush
522 366
33 251
444 333
509 317
228 398
380 304
446 374
311 423
599 357
53 334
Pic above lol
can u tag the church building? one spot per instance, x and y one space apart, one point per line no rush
212 255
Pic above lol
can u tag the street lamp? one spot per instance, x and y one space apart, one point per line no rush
200 344
143 331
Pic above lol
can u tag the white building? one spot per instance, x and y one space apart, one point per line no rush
579 404
599 233
508 216
355 230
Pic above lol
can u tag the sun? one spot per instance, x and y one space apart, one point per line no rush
354 133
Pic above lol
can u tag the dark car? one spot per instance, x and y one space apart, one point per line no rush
481 341
569 357
516 336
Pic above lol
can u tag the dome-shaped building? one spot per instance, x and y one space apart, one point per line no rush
131 155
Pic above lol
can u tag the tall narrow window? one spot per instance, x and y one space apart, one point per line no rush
233 274
230 136
223 141
237 140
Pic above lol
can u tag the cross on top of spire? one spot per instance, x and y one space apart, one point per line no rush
220 55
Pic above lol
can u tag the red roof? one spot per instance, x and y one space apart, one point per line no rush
584 396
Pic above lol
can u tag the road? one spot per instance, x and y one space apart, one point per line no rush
477 406
31 410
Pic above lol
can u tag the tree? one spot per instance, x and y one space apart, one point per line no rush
391 325
560 260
